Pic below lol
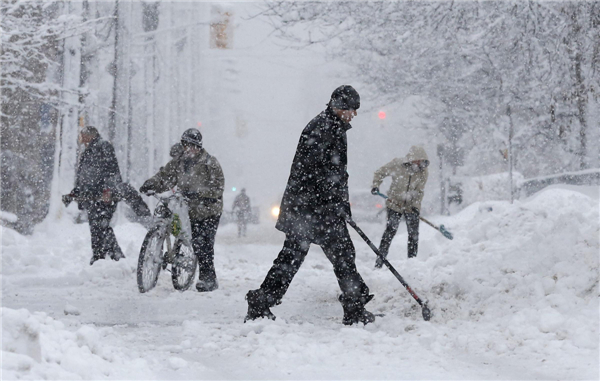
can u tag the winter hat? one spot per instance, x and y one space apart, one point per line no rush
191 137
345 97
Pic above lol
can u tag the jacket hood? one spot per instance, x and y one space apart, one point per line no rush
415 153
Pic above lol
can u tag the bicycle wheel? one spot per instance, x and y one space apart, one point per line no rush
184 265
150 260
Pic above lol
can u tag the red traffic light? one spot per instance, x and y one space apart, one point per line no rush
381 114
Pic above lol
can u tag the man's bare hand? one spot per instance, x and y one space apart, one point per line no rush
107 196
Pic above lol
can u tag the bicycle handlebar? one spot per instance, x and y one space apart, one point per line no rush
167 198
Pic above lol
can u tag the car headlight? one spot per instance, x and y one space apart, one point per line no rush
275 211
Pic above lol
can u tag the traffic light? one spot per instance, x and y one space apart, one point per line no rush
381 115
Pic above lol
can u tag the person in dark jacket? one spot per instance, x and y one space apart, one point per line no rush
241 208
314 209
199 177
96 181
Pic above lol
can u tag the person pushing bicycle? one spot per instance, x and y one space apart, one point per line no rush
200 179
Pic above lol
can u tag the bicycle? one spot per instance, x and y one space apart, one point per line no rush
157 252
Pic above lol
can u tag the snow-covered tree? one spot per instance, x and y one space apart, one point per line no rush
473 62
32 32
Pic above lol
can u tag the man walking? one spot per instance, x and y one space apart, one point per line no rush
96 183
241 208
314 209
199 177
409 176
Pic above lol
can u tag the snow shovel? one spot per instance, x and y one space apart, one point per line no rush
425 309
440 228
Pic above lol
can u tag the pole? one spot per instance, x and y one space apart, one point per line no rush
425 310
440 152
112 115
510 153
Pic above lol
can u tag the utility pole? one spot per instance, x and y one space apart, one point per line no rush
440 153
114 71
150 24
510 153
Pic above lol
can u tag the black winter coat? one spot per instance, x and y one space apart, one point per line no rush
97 170
317 189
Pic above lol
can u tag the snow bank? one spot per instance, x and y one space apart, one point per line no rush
9 217
521 278
59 253
35 346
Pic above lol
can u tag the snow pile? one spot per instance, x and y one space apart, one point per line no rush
8 217
59 253
517 279
35 346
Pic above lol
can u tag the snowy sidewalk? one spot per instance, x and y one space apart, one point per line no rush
514 296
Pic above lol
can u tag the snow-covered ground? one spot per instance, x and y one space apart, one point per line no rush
514 296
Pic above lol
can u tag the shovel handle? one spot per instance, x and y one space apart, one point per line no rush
425 309
440 228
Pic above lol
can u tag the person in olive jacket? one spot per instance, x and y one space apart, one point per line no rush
409 176
200 179
314 209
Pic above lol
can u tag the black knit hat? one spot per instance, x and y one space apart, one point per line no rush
191 137
345 97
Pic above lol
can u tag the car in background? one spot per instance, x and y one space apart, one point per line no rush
367 207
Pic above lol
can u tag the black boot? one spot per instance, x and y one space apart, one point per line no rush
355 312
258 305
117 254
207 286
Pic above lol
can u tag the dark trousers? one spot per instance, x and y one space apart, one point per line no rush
242 221
241 228
340 252
412 225
203 242
104 240
132 198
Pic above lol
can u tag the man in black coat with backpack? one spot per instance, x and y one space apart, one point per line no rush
314 209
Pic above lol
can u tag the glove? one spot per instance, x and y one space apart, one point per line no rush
147 186
415 210
343 210
67 199
375 191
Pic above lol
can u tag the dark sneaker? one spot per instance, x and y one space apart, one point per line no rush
117 255
358 316
354 310
204 286
258 306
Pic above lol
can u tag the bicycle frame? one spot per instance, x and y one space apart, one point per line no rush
164 220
